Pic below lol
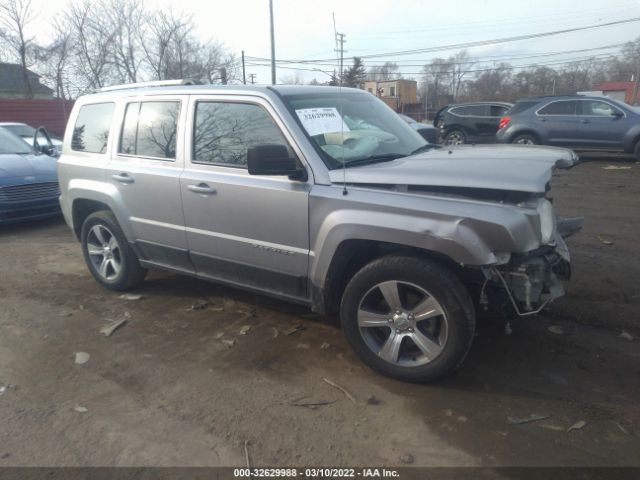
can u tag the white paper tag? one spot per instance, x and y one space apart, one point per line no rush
317 121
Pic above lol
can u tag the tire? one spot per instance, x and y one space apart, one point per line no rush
636 151
373 328
454 137
525 139
112 262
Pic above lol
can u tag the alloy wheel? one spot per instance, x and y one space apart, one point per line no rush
402 323
104 252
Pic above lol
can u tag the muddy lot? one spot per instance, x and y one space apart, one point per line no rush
169 389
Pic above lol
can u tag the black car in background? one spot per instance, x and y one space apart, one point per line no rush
470 122
428 132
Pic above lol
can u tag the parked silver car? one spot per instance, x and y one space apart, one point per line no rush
321 196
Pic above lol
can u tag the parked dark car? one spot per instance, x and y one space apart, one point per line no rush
576 121
470 122
428 132
28 181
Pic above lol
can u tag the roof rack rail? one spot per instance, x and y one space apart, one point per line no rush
156 83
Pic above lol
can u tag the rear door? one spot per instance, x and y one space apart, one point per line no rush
559 119
243 229
602 125
145 169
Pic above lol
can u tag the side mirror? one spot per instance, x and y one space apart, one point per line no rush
47 148
269 159
617 114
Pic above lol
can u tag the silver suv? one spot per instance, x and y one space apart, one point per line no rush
321 196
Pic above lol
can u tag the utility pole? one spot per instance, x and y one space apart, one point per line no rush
273 46
340 41
252 78
244 77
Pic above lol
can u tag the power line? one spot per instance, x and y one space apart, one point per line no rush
479 43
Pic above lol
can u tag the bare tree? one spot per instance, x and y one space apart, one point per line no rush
387 71
93 42
53 60
15 16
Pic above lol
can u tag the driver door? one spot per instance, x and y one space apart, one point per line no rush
242 229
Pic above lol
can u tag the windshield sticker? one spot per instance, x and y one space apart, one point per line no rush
317 121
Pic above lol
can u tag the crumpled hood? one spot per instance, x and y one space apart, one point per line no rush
19 169
498 167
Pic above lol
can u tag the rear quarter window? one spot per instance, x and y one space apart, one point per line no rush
91 130
521 107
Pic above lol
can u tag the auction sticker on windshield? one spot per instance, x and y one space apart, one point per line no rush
317 121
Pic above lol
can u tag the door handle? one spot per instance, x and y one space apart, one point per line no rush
584 120
202 189
122 178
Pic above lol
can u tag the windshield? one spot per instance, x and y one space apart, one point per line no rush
356 128
10 143
22 130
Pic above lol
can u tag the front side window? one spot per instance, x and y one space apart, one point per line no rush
599 108
224 131
149 129
564 107
91 130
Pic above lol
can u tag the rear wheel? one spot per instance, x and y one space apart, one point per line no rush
408 318
455 137
107 253
525 139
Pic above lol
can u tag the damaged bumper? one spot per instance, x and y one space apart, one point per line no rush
534 279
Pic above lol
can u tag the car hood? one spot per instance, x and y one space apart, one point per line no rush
498 167
19 169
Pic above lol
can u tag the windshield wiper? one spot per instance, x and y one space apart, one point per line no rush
386 157
425 148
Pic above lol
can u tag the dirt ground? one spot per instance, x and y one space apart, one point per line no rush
167 390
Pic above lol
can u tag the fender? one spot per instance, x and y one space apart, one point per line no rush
103 192
469 232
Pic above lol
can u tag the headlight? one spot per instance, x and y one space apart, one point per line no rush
547 220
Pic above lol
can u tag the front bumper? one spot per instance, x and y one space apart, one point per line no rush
531 281
32 210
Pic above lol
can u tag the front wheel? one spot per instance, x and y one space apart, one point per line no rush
408 318
107 253
636 151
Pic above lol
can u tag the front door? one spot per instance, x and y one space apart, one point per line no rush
602 125
145 167
243 229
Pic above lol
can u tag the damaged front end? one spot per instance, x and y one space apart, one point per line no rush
531 281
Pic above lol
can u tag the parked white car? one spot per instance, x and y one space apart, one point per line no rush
26 132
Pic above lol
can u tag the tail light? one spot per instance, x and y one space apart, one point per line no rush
503 122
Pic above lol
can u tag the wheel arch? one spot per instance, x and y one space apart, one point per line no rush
353 254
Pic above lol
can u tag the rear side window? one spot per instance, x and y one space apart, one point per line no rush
224 131
562 107
91 131
521 107
149 129
470 111
498 110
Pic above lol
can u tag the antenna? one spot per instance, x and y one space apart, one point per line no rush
339 38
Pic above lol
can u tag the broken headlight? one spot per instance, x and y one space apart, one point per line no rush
547 220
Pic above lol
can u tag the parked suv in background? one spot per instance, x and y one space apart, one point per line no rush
575 121
470 122
321 196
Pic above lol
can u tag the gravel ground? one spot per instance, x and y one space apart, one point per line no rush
180 384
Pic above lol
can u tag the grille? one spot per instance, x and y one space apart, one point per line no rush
32 191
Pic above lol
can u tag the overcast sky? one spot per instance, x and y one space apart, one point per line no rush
304 28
